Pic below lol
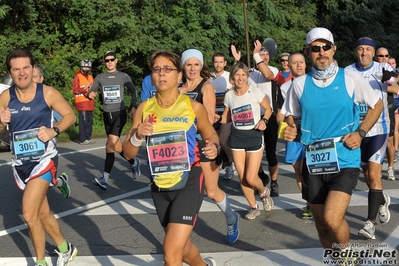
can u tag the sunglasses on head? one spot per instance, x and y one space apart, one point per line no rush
383 55
109 60
316 48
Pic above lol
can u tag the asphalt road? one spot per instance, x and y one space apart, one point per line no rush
119 226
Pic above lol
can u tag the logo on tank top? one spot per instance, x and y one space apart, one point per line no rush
25 108
152 118
175 119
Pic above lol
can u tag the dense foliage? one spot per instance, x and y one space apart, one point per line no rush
61 33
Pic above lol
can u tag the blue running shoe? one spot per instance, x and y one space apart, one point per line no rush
233 231
100 181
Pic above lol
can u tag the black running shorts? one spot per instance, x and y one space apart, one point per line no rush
180 206
315 188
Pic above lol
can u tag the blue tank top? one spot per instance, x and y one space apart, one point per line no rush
330 112
31 115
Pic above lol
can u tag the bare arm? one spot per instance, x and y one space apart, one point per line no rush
140 130
209 100
353 140
5 114
262 66
57 102
206 130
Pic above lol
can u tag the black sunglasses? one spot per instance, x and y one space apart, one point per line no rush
283 60
383 55
109 60
316 48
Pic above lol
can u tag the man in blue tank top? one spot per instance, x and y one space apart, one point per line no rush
326 99
27 109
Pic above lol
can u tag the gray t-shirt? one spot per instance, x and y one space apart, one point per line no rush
113 86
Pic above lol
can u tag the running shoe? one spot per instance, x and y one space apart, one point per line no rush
368 230
136 168
233 231
252 213
229 173
307 213
264 177
65 257
383 214
40 264
100 181
391 173
65 188
274 189
209 261
267 200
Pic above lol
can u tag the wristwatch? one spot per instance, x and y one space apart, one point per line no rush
265 120
57 130
361 132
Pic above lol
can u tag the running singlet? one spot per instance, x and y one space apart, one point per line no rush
171 148
196 94
26 119
315 102
371 75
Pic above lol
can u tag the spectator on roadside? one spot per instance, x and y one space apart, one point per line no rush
84 105
328 189
113 83
26 108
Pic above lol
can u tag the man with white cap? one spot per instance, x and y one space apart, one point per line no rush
332 159
374 143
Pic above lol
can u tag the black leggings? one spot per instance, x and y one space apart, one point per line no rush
270 138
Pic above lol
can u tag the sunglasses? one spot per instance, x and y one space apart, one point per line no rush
283 60
317 48
383 55
109 60
165 69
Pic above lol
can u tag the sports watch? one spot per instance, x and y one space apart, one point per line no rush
57 130
361 132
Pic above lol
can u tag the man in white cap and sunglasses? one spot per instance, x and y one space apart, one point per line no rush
327 101
374 143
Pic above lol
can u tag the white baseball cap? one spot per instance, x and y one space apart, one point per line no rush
319 33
